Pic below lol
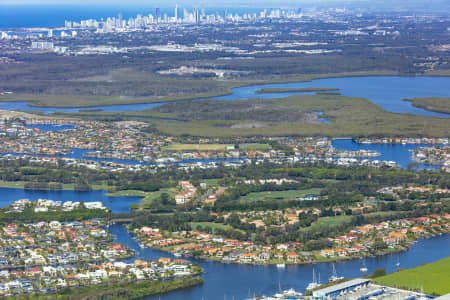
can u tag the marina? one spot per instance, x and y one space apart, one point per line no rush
228 281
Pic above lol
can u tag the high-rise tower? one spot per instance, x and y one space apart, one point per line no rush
158 15
176 12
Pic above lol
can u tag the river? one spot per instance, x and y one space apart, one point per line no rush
225 281
236 281
233 281
385 91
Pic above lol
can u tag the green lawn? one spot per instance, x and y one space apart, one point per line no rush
66 187
332 221
434 278
283 195
255 147
328 222
197 147
210 182
214 226
127 193
147 197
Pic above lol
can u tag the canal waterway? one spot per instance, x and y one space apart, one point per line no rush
399 153
236 281
116 204
388 92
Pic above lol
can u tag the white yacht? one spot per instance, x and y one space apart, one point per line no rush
314 284
334 276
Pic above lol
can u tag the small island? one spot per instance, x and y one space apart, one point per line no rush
295 90
436 104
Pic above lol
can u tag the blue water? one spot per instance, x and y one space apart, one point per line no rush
116 204
78 154
225 281
389 152
49 127
385 91
111 108
395 152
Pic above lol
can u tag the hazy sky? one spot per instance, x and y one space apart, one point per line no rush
439 5
163 3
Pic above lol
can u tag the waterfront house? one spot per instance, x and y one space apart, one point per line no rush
292 257
327 252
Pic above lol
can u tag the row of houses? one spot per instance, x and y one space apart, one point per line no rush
50 278
356 243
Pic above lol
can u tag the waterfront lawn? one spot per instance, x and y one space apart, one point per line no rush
65 187
147 197
127 193
434 278
281 195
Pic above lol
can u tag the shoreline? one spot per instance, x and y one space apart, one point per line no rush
296 78
416 102
410 244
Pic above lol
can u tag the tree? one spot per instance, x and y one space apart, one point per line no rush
82 185
379 244
378 273
165 198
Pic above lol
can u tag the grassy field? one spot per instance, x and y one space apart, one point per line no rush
146 79
325 222
283 195
214 226
332 221
432 104
147 197
211 182
66 187
255 147
127 193
295 90
197 147
434 278
89 101
350 117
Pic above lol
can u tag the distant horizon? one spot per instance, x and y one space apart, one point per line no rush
26 14
219 3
